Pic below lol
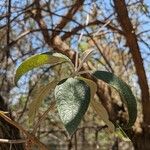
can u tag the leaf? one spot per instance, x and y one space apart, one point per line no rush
40 94
121 134
65 69
102 112
72 100
91 84
83 46
62 56
84 58
124 91
36 61
97 106
85 55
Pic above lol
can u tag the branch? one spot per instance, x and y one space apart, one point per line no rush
30 136
96 22
18 141
132 42
8 26
71 12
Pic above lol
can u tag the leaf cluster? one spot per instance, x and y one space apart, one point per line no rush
73 93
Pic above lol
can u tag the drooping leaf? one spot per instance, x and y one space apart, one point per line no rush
124 91
38 96
72 100
97 106
102 112
36 61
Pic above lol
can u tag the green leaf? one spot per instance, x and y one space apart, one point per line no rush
124 91
97 106
83 46
62 56
36 61
121 134
65 69
91 84
72 100
38 96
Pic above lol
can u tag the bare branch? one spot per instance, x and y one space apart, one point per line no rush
132 42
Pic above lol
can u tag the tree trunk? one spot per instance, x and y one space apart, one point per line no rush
8 131
141 140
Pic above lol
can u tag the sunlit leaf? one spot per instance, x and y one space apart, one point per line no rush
62 56
72 100
124 91
38 96
36 61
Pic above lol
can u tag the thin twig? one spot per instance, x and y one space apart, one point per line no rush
51 108
76 61
8 26
18 141
108 22
10 146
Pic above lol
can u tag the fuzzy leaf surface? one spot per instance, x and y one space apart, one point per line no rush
72 99
36 61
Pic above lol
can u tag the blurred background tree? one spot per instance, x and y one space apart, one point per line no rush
118 31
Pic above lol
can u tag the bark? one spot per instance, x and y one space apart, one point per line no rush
8 131
141 140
